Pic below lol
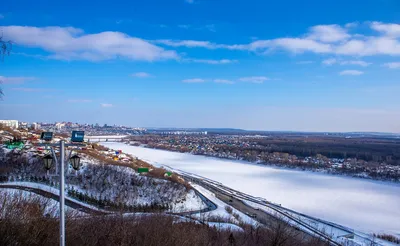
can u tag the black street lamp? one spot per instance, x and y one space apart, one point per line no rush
48 161
75 162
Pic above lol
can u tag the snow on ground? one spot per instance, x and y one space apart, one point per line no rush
52 206
50 190
192 202
335 233
225 226
221 211
365 205
189 202
321 227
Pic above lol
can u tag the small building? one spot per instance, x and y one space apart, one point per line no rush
35 126
10 123
143 170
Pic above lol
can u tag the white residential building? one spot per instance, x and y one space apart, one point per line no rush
59 126
35 126
10 123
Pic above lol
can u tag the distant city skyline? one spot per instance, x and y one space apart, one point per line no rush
175 128
311 66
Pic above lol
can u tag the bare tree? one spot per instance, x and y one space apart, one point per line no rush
5 49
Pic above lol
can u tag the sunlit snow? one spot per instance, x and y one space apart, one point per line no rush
365 205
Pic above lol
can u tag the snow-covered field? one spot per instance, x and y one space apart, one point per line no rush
365 205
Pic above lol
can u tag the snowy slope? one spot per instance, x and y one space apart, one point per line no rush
191 202
50 190
225 226
51 206
220 211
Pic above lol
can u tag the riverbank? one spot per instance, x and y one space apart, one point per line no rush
330 171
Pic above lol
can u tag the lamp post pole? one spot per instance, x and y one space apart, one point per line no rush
61 170
62 180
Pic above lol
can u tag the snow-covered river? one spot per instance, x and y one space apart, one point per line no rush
366 205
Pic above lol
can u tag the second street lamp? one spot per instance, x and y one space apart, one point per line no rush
75 162
48 161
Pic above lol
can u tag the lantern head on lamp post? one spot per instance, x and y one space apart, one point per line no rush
48 161
75 162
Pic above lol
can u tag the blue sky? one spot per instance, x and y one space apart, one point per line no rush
268 65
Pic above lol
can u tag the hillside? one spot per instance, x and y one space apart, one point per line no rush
102 184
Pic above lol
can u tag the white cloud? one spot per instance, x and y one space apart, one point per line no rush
68 43
392 65
392 30
15 80
186 43
295 45
370 46
30 55
141 75
79 100
106 105
196 80
351 72
214 62
330 39
223 81
351 25
329 61
357 62
332 61
254 79
328 33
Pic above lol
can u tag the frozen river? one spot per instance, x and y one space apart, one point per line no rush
361 204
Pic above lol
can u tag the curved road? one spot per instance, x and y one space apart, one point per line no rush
68 202
78 206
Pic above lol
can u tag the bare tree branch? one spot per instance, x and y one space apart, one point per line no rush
5 49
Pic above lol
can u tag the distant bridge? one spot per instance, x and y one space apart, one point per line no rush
96 139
